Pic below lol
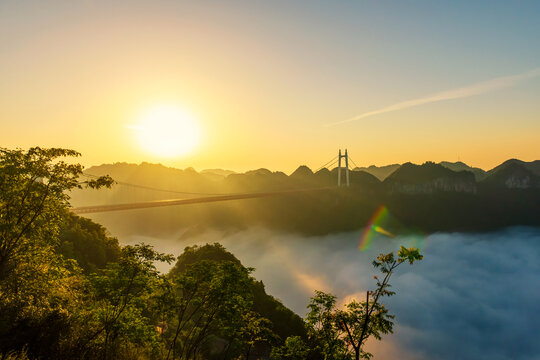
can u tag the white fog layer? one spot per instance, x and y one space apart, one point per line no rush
474 296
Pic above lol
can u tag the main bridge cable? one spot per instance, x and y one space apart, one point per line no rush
157 189
329 167
356 166
330 163
173 202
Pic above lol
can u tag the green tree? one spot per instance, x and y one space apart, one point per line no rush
323 330
256 330
205 301
294 349
115 318
33 199
363 319
285 322
37 286
88 243
342 334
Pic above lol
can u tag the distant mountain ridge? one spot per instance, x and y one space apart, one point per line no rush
429 197
513 174
149 182
429 178
533 166
380 172
479 174
408 178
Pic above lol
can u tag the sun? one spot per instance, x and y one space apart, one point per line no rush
167 131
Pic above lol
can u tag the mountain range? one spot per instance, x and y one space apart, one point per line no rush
428 197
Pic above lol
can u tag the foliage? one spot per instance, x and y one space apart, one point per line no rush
117 300
37 286
69 291
88 243
364 319
294 349
256 330
203 302
33 199
342 333
323 330
285 322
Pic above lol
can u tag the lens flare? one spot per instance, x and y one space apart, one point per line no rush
374 226
381 221
380 230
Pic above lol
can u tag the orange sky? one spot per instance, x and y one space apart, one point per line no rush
266 81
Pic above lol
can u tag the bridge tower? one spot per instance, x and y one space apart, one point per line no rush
346 157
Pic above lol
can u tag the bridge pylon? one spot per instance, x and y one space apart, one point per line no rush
346 157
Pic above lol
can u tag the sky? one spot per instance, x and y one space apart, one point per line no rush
275 84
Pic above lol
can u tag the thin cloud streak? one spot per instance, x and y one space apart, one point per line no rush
463 92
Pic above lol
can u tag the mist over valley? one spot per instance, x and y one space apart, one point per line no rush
474 296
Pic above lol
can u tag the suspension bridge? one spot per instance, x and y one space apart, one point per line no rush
215 197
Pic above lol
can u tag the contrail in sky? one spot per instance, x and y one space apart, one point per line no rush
471 90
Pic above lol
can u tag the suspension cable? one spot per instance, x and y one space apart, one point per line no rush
326 165
156 189
356 166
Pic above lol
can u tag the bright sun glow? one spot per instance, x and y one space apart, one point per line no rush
167 131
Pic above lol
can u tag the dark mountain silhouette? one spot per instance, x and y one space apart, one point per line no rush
512 174
380 172
359 178
479 174
429 178
533 166
428 197
302 172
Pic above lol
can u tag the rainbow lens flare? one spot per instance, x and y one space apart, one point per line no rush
373 226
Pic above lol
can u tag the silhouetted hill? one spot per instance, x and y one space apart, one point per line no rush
256 180
512 174
380 172
479 174
533 166
429 178
357 178
217 174
302 172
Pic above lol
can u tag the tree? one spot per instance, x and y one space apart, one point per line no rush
293 349
34 199
118 298
88 243
323 331
338 334
256 330
364 319
204 301
37 286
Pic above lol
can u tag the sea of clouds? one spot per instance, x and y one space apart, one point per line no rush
474 296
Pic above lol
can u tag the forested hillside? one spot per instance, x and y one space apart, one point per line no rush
68 290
